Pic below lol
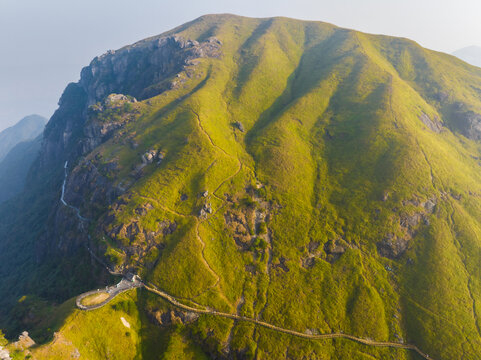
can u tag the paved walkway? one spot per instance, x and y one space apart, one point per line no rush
367 342
113 291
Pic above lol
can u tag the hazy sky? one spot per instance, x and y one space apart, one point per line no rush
45 43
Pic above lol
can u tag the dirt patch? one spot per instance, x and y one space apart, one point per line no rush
95 299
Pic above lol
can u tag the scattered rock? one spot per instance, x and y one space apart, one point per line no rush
149 157
434 124
308 262
207 208
392 246
334 249
4 354
467 122
113 100
24 341
183 197
204 193
239 126
172 317
429 205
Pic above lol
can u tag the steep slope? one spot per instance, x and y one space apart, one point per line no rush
26 129
470 54
15 166
315 178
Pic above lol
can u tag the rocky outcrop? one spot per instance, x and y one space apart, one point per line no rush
114 112
433 124
172 317
393 246
140 69
334 249
24 341
469 124
4 354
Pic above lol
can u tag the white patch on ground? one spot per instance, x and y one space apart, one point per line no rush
125 322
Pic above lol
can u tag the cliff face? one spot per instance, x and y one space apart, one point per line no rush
39 233
142 70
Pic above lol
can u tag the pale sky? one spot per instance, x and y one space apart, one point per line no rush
45 43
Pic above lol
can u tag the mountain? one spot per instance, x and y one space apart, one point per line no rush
15 166
26 129
269 180
470 54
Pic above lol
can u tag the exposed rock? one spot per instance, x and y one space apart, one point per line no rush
97 130
24 341
172 317
313 245
115 100
334 249
467 122
239 126
429 205
149 156
207 208
433 125
139 69
238 225
4 354
308 262
392 246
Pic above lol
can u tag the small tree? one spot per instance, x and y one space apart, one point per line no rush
3 341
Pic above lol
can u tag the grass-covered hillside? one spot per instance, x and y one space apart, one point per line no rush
316 178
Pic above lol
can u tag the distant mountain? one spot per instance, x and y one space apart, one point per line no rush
14 167
26 129
470 54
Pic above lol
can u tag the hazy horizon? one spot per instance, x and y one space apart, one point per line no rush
46 44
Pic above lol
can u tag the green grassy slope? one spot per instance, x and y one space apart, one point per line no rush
333 153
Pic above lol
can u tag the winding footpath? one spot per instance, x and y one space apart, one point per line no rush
125 285
267 325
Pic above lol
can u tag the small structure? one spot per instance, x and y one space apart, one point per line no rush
132 277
